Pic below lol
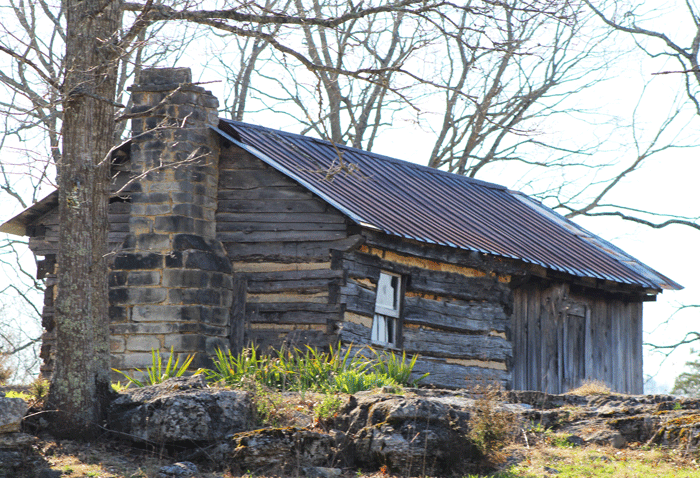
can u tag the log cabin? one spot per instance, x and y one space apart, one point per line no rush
225 234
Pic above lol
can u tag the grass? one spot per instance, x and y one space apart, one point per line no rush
591 387
598 462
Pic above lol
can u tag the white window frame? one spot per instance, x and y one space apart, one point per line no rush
387 310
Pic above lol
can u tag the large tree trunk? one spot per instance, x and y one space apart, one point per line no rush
80 382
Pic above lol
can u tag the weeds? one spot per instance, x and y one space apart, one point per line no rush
328 407
490 428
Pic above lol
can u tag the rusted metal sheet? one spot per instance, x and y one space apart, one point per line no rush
432 206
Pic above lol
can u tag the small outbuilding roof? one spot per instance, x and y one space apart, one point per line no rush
431 206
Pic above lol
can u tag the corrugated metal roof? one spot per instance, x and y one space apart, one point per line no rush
432 206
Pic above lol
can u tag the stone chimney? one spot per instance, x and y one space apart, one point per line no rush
171 283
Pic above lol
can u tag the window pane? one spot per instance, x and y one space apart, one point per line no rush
388 288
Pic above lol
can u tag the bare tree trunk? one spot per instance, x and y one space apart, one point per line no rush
80 383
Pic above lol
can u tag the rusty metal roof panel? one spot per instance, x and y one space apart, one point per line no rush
428 205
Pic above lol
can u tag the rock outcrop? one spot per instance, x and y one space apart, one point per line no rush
181 410
423 432
13 443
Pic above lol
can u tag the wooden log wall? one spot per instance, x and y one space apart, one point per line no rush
563 338
43 241
456 318
278 237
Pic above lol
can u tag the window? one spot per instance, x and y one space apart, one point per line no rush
387 310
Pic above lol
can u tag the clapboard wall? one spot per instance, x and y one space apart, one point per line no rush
562 337
278 237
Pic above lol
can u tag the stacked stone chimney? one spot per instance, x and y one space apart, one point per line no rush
171 282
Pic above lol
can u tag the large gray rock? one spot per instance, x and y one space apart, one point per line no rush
181 410
280 450
410 435
12 411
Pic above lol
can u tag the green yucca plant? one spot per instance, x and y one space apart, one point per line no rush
157 373
353 381
389 364
309 369
233 369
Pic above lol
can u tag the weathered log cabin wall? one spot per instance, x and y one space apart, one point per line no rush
456 318
43 242
563 337
278 237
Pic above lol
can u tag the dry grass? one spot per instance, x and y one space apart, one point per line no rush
591 387
635 461
108 459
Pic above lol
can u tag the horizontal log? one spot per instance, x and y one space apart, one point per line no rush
42 248
297 285
119 207
450 344
455 315
280 205
286 327
277 236
298 306
451 255
351 333
454 375
292 317
253 178
427 281
292 275
266 193
249 227
280 251
314 297
233 157
322 217
296 313
116 237
119 217
119 227
358 299
241 266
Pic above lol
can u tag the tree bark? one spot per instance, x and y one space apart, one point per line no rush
80 382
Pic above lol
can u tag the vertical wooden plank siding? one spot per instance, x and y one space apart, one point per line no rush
563 342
